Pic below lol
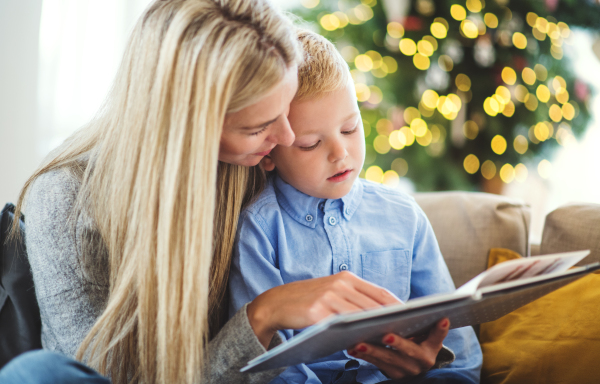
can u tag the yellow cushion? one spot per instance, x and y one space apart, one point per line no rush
555 339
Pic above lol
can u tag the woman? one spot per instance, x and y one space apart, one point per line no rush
131 221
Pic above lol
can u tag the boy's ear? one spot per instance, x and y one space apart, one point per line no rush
267 163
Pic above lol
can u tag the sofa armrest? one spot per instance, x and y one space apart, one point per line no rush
468 224
571 228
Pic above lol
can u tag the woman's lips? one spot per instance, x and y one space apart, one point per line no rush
265 153
341 176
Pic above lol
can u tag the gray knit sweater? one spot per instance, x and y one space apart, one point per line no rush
70 302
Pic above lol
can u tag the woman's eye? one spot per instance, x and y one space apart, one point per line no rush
310 148
259 131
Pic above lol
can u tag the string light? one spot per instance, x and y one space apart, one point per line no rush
521 144
410 137
400 166
490 20
528 76
391 178
509 76
463 83
469 29
545 169
397 140
507 173
438 30
374 174
363 63
568 111
498 144
488 169
381 144
470 129
421 61
362 92
542 93
408 47
521 173
395 30
458 12
519 40
555 113
471 164
310 4
430 98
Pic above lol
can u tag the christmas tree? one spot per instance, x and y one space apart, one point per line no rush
459 94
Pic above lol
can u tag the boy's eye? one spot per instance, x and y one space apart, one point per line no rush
348 132
310 148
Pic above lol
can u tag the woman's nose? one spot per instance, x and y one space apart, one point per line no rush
282 133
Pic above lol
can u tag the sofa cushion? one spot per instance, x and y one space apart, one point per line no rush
468 224
554 339
571 228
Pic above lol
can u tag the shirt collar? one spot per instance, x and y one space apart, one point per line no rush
305 209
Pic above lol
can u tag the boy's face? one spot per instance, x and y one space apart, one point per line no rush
329 150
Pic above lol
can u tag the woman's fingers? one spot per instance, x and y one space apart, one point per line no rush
391 362
437 335
376 293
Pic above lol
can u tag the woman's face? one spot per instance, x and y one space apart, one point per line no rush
251 133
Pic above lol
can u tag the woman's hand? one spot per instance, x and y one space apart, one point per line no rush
404 357
303 303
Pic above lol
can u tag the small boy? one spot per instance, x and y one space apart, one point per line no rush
316 218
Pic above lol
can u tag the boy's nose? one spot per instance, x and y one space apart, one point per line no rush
337 152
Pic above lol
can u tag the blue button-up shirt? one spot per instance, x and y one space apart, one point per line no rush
379 234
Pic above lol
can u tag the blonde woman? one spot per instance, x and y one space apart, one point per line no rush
130 223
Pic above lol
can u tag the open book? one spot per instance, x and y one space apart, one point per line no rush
488 296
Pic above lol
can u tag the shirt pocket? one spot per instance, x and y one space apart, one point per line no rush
389 269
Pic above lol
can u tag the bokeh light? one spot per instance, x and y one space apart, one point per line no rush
528 76
521 173
519 40
509 76
395 30
471 164
568 111
374 174
545 169
391 178
421 61
507 173
470 129
474 5
463 83
309 3
458 12
543 93
499 144
400 166
438 30
488 169
521 144
490 20
408 46
397 140
381 144
555 113
469 29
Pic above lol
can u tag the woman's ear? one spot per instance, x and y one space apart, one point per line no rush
267 163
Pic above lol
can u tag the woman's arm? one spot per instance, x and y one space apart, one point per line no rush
69 303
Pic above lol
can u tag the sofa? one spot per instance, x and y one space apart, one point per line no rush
555 339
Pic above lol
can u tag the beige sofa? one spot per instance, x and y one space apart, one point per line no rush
469 224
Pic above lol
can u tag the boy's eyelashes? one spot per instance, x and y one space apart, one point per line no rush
311 147
350 131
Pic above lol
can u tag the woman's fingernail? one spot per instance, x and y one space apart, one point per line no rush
389 339
352 352
361 348
445 323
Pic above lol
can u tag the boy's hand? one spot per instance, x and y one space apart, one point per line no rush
300 304
404 357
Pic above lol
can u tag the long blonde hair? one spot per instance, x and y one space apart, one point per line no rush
166 209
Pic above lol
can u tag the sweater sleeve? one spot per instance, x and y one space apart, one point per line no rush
69 303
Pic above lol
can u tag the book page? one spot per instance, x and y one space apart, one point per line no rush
523 268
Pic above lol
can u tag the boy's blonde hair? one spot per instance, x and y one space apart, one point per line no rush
323 69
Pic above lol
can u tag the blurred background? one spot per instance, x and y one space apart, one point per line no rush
498 96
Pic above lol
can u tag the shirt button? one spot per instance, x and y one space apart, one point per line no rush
332 220
343 267
347 211
309 218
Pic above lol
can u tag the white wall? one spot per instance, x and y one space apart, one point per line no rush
19 32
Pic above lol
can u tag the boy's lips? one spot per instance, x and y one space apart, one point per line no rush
341 176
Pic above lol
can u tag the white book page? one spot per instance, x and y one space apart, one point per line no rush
513 270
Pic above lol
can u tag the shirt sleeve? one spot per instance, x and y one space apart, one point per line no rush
429 276
253 271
